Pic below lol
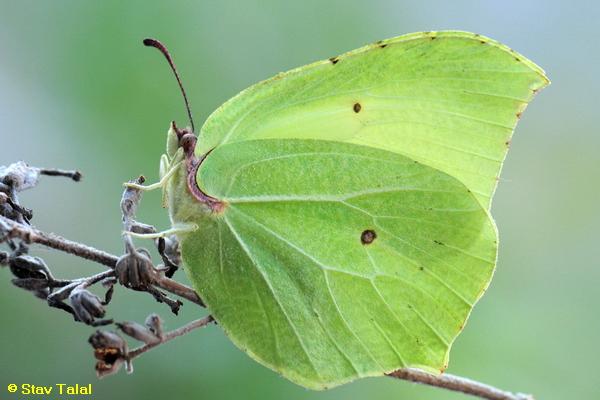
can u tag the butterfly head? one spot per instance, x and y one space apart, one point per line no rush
181 146
180 138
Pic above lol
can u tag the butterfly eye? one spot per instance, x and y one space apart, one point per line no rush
188 142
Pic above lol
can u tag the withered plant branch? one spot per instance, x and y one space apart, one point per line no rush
457 384
84 282
31 235
199 323
179 289
75 175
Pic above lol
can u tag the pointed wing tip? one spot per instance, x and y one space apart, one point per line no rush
484 39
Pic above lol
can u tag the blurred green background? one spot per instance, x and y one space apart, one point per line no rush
78 90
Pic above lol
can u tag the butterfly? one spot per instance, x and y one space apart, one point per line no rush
335 218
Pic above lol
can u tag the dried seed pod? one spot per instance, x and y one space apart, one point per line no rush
131 199
110 350
140 227
138 332
168 248
31 273
154 323
172 249
108 339
135 270
30 284
3 258
26 266
109 284
86 306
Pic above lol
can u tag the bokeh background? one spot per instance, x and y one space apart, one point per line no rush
78 90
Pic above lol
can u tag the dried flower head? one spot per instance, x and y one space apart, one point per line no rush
110 350
86 306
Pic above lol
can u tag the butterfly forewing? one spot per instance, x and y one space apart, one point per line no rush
447 99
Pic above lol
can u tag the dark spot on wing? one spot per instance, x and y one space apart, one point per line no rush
357 107
519 115
438 242
368 236
381 44
334 60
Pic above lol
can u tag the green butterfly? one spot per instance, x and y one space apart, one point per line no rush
335 218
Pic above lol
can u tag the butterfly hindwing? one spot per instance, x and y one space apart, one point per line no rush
333 261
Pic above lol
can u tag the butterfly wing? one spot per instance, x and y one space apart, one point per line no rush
356 237
334 261
446 99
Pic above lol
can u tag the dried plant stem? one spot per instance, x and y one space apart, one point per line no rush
32 235
445 381
180 290
199 323
457 384
85 281
75 175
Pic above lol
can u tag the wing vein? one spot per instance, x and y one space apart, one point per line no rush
244 246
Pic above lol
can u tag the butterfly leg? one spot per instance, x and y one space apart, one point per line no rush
175 230
158 185
165 166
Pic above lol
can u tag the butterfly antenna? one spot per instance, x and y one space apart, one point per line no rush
161 47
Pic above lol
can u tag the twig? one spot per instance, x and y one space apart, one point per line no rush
179 289
457 384
199 323
82 281
75 175
32 235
